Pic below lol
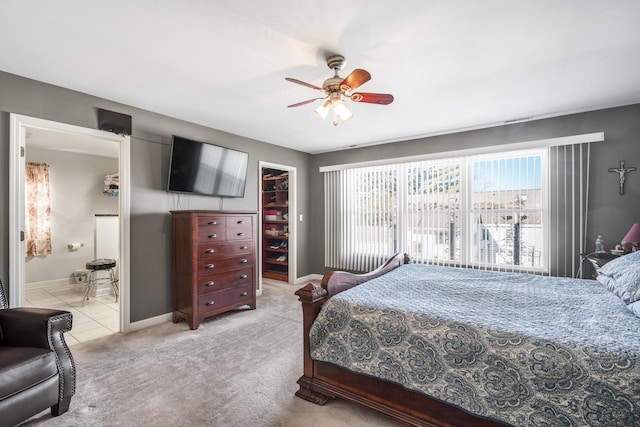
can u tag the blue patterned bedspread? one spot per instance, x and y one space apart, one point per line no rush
522 349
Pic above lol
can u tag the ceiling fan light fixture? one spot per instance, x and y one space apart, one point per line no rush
335 88
342 111
323 110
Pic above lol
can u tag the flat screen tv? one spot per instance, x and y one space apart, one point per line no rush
206 169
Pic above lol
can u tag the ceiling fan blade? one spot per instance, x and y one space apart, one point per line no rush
355 79
300 82
308 101
373 98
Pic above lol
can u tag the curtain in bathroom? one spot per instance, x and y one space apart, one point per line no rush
38 223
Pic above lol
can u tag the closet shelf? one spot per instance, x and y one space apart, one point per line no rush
275 234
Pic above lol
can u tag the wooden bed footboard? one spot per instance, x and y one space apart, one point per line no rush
322 381
335 282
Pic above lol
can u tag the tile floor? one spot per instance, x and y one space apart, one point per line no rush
100 315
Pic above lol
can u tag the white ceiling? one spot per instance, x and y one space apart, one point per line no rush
451 64
71 142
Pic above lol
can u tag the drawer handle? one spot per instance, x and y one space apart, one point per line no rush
240 234
209 283
209 251
210 303
244 261
244 294
240 221
243 247
212 236
244 276
208 266
212 223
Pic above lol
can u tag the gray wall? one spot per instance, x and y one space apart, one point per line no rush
150 204
609 213
76 183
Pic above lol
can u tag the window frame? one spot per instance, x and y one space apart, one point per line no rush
330 252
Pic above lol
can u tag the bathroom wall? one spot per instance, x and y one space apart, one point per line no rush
76 196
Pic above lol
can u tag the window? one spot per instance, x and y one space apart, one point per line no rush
477 210
487 210
507 210
432 214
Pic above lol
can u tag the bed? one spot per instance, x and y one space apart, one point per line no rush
443 346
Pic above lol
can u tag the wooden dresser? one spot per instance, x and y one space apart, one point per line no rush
214 263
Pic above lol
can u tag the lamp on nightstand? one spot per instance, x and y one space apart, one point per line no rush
631 240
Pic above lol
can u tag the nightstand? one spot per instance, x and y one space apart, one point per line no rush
596 261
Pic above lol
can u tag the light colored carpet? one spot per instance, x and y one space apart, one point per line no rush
237 369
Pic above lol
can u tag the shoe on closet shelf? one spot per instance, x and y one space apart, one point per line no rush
282 258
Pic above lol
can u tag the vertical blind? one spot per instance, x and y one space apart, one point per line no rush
360 217
521 210
507 210
431 211
569 200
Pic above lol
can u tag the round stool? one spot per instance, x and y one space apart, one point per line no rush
99 265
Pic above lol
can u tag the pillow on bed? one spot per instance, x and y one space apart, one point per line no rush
622 277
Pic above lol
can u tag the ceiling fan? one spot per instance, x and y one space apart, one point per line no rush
335 88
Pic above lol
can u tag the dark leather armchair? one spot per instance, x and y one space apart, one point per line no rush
36 367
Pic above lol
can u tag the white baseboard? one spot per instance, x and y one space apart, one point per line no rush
49 283
147 323
168 317
101 290
305 279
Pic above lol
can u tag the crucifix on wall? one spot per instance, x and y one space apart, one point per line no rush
622 171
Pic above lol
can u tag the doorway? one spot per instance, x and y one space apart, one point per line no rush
78 142
278 231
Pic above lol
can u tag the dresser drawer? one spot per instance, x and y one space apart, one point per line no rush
220 250
223 234
233 221
212 282
229 298
240 232
211 221
212 234
208 266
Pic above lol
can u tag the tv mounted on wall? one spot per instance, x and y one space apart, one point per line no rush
206 169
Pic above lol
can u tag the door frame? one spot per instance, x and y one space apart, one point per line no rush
17 143
293 215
